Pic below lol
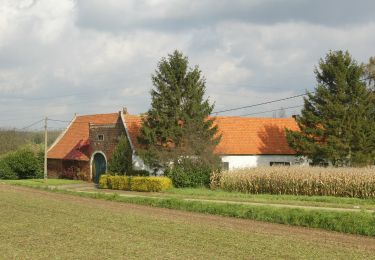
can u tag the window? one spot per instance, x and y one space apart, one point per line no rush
100 137
279 163
225 166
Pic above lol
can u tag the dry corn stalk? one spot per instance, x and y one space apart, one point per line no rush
343 182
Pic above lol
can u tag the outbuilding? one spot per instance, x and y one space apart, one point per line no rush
84 149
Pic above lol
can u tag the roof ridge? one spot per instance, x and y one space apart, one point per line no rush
237 117
102 114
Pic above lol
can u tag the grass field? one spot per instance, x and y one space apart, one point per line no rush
41 182
207 194
41 224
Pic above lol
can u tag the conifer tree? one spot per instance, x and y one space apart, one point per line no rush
178 123
337 121
370 72
121 161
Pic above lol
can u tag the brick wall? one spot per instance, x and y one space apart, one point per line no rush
58 168
54 168
110 134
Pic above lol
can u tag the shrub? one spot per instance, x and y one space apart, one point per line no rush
6 171
123 183
119 182
138 173
72 173
189 173
103 181
311 181
135 183
24 163
150 183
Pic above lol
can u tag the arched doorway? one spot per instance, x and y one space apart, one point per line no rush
98 166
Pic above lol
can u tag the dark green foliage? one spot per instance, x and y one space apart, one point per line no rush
370 73
189 173
6 172
338 120
177 124
121 162
25 163
138 173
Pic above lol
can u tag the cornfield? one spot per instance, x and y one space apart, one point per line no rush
340 182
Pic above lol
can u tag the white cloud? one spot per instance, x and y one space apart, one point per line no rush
96 56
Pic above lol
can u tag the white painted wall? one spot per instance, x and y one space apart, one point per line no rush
139 164
236 161
248 161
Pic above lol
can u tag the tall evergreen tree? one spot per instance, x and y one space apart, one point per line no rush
121 161
178 123
337 122
370 72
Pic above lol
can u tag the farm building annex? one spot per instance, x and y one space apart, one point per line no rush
88 142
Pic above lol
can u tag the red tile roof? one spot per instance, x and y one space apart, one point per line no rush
240 135
133 123
246 135
77 135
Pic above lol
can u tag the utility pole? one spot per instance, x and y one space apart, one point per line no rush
45 148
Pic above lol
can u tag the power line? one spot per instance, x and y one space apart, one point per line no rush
65 121
274 110
260 104
28 126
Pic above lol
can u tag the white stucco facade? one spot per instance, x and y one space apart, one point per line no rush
138 163
248 161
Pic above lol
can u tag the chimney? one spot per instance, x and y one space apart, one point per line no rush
124 110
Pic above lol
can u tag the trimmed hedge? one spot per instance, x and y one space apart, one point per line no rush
146 184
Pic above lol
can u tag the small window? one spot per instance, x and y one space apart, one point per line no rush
100 137
225 166
279 163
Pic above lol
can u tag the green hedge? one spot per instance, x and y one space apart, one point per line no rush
134 183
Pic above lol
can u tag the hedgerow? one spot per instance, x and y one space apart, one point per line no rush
135 183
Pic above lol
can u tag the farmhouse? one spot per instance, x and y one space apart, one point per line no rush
86 146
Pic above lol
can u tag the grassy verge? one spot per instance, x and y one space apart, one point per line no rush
362 223
322 201
41 182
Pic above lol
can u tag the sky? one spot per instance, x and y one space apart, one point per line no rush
62 57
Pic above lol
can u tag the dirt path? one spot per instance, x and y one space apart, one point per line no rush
90 188
239 225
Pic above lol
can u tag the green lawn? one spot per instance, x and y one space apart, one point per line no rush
41 182
37 224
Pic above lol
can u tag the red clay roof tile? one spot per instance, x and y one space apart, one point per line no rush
240 135
76 134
